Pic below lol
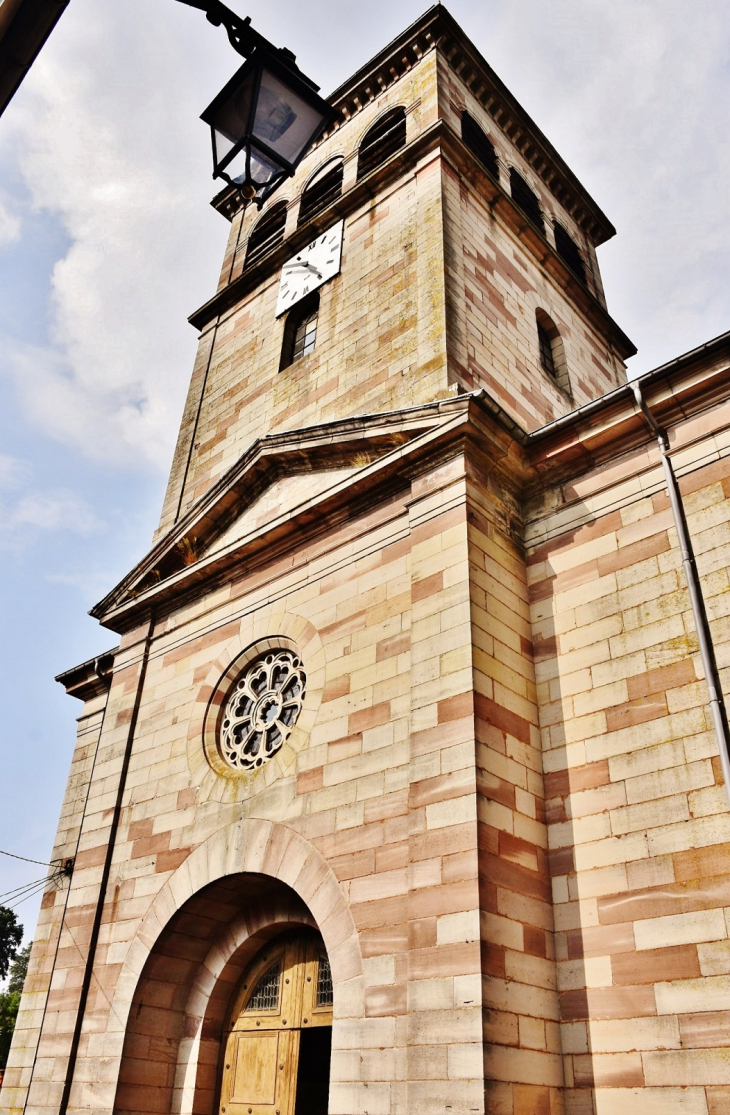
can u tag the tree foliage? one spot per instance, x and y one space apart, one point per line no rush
11 934
10 1001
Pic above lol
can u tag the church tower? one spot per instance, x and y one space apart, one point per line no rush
307 806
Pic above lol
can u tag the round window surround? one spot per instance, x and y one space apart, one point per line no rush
261 709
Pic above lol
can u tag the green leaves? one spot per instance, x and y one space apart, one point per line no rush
11 934
10 1000
9 1003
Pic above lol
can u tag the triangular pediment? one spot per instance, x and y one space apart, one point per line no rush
281 498
285 484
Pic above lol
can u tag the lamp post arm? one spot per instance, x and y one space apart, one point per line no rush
242 37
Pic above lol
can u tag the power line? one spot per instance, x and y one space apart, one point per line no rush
42 863
31 893
24 892
9 895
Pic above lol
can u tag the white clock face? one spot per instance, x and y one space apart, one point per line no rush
314 265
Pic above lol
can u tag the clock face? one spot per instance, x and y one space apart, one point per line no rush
310 268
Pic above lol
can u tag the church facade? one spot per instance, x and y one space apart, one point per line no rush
402 791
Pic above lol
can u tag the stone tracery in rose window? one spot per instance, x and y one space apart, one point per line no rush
262 709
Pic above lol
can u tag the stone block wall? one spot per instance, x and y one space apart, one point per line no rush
495 286
380 336
523 1065
437 293
381 789
45 985
637 810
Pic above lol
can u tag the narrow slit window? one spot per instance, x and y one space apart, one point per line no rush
526 198
383 139
324 188
569 251
300 331
546 350
265 995
479 144
266 234
551 349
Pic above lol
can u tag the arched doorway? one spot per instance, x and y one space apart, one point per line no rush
190 994
276 1056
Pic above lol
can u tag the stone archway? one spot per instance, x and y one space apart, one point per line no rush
172 1042
244 884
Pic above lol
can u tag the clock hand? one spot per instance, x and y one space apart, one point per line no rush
309 267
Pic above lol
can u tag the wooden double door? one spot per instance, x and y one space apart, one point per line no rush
277 1048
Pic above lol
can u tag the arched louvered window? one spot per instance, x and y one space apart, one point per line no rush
300 330
266 234
479 143
526 198
552 351
321 191
383 139
569 251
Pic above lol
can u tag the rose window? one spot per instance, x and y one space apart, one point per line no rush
262 709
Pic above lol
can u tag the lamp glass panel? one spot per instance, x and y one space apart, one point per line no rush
262 169
232 117
223 145
284 121
259 171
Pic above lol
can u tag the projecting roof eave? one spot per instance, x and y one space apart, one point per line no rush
89 679
611 425
398 444
395 446
438 28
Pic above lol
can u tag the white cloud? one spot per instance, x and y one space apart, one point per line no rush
25 513
106 134
57 511
91 141
12 472
9 226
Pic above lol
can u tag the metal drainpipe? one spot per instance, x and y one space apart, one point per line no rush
707 649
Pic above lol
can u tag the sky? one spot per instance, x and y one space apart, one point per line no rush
107 243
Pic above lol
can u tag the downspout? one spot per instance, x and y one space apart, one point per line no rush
699 612
104 884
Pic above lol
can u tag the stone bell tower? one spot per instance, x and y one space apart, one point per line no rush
306 804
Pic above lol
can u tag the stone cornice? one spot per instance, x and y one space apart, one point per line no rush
439 136
400 444
89 679
437 28
603 430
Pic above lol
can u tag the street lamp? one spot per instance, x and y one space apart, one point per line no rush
268 115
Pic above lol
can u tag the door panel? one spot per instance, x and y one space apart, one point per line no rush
260 1005
260 1069
317 988
285 1000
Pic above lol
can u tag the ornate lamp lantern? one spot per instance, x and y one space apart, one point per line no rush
268 115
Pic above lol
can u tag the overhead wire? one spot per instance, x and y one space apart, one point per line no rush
40 862
13 897
31 894
10 895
